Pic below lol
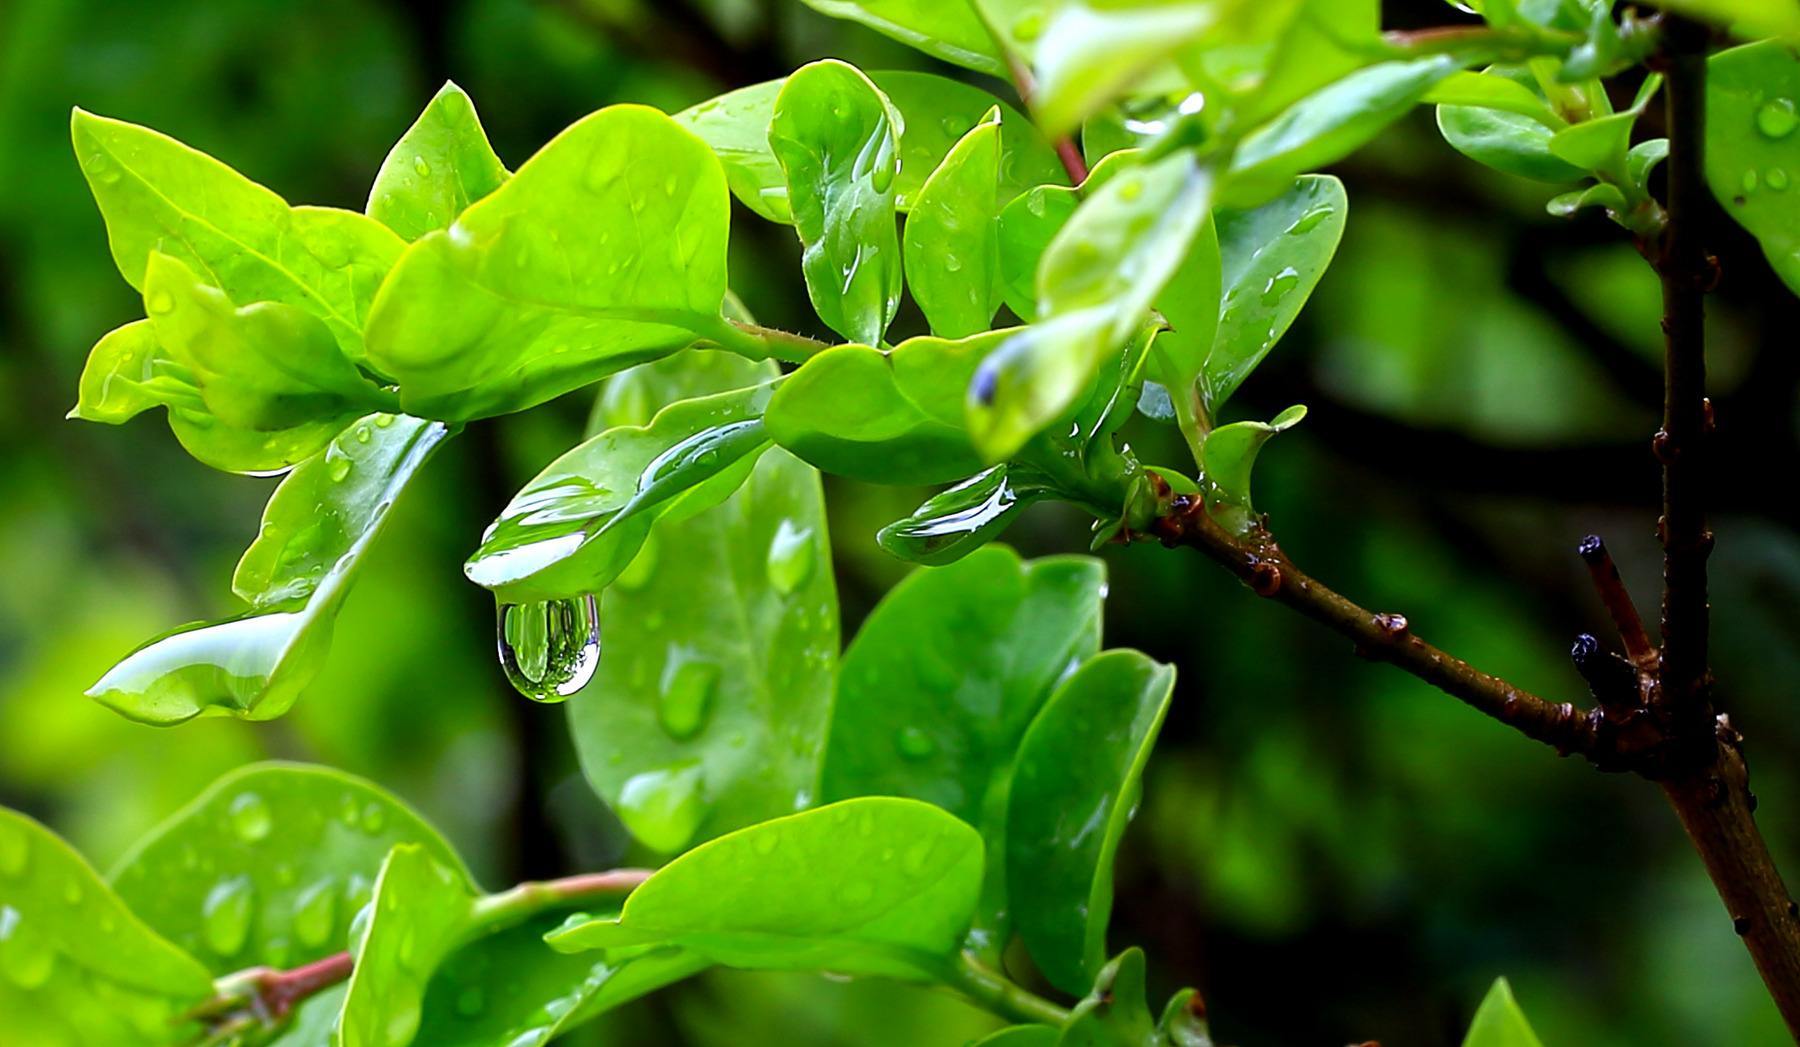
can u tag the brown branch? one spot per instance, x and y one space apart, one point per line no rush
1618 603
1066 149
1378 636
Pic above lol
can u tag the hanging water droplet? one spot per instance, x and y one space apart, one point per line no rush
914 744
26 957
15 848
225 916
315 913
790 557
550 649
663 808
1776 118
687 693
250 817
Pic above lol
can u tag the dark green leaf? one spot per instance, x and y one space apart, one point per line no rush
1499 1022
440 166
1115 1012
513 304
1073 792
77 967
709 708
159 195
1752 148
315 530
952 245
941 682
893 416
890 888
1022 1036
838 140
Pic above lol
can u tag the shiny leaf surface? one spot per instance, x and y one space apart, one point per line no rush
952 245
1752 148
441 165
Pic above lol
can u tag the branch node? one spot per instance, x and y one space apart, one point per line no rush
1264 577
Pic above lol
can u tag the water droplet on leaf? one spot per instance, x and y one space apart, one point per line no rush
663 808
250 817
1776 118
26 957
913 743
687 697
225 916
790 557
315 913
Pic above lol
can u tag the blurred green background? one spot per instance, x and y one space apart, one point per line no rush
1330 850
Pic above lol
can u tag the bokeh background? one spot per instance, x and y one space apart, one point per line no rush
1330 850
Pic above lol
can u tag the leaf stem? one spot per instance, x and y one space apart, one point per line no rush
763 343
509 907
995 992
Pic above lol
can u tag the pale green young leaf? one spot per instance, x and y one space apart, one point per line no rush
1074 789
1328 125
954 523
1095 284
420 910
1597 145
268 866
1499 118
159 195
885 416
722 640
1191 304
1499 1022
1505 89
255 665
580 521
265 366
1753 146
1116 1011
128 373
1027 225
891 885
249 451
952 244
942 681
838 140
952 30
1229 454
1271 257
1091 53
514 304
77 965
441 165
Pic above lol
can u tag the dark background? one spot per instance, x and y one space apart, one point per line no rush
1330 850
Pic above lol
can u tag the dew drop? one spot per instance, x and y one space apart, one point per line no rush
1310 220
549 649
337 465
663 808
1280 284
225 916
250 818
1776 178
382 421
790 557
914 744
916 857
27 959
1749 181
423 168
952 263
374 818
1777 118
315 913
363 435
687 693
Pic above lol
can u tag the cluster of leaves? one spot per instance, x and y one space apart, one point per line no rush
960 777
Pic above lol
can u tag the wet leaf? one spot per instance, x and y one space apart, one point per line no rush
1229 454
1027 225
441 165
318 524
838 140
159 195
954 523
952 31
421 908
128 373
892 884
1499 118
709 708
952 245
579 523
1752 148
1499 1022
77 966
944 677
1091 53
891 416
511 306
1074 789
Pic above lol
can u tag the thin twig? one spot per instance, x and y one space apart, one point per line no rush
1618 603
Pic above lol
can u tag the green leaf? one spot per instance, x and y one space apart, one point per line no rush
1022 1036
128 373
710 710
1327 126
421 909
1753 148
1027 226
247 451
1499 118
951 30
838 140
935 110
1744 17
1597 145
954 523
579 523
159 195
1230 453
1604 195
1272 258
1095 284
1191 305
885 416
1089 54
77 966
315 530
513 304
940 684
1316 43
952 245
890 887
441 165
544 993
266 366
1074 789
1183 1022
1115 1012
1499 1022
269 864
